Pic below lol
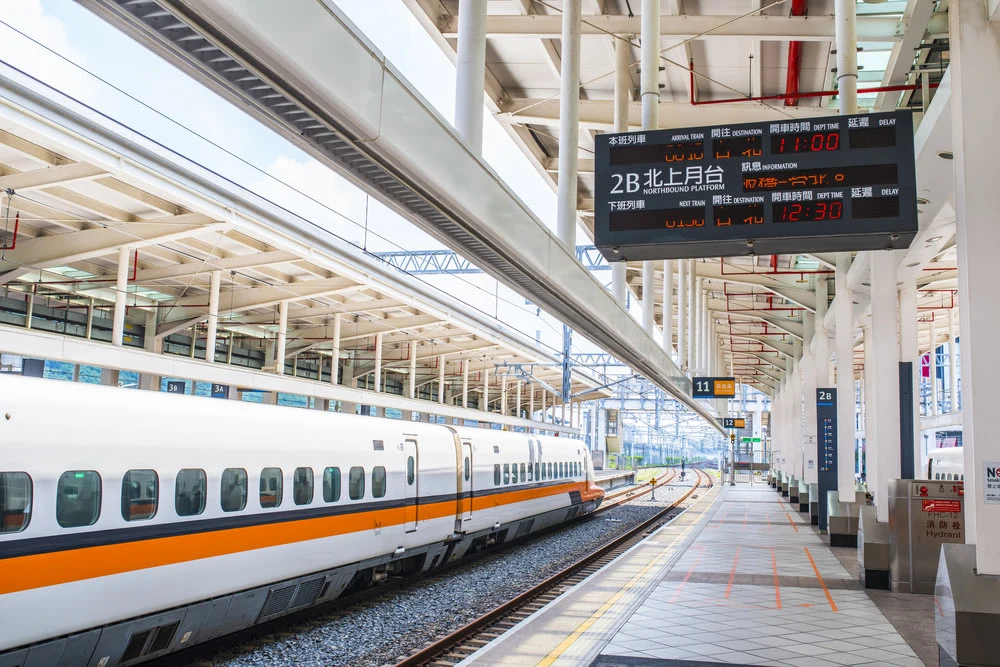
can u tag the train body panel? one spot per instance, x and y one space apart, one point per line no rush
127 497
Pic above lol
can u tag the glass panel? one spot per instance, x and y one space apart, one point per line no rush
78 498
467 468
302 486
140 489
531 472
189 492
496 474
331 485
537 471
513 473
356 483
234 489
506 473
15 501
378 482
411 473
270 487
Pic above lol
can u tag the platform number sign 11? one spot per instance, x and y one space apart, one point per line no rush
713 387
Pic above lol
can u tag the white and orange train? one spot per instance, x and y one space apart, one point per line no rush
134 523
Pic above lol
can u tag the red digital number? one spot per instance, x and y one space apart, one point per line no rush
832 141
836 209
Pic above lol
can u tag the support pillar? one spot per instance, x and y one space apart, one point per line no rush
935 395
485 407
213 316
90 318
623 85
517 399
648 278
411 390
279 356
975 61
692 342
908 352
503 396
149 341
569 124
699 325
810 467
335 349
378 362
668 307
465 383
441 363
470 83
682 342
121 293
952 366
845 381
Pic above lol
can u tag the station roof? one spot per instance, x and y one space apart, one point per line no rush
79 188
724 50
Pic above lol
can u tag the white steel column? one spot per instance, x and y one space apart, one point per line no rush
648 277
682 342
121 292
668 307
649 73
846 28
884 424
486 390
517 398
378 362
952 349
465 383
702 338
544 417
935 397
213 316
279 355
90 318
335 350
795 419
809 472
820 339
441 363
692 341
503 396
531 401
411 390
845 381
908 352
869 395
623 85
975 69
470 83
569 124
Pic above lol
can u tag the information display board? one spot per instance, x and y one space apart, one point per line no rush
826 446
735 422
713 387
819 185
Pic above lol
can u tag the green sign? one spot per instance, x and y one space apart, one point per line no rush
751 439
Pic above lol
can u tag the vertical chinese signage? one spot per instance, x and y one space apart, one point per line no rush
826 446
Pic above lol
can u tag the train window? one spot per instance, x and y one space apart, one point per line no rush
496 474
378 482
506 473
356 483
411 470
189 492
467 468
15 501
562 470
302 486
78 498
270 487
522 473
531 472
537 470
550 470
331 485
513 473
234 489
140 491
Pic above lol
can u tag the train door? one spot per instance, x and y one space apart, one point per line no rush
411 485
466 482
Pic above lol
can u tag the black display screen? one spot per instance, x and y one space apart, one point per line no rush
817 179
739 189
808 211
733 147
683 151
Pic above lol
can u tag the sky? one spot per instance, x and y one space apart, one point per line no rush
105 69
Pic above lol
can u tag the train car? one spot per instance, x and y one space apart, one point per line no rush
139 523
946 463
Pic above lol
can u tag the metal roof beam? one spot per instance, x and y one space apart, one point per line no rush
913 26
209 264
776 28
786 349
60 249
39 178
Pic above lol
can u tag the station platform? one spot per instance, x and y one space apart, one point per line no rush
739 578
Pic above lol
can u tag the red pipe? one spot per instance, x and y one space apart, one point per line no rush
131 279
798 95
799 8
773 272
13 241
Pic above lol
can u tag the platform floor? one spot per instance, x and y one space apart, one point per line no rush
739 578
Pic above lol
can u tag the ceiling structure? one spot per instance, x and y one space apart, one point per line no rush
71 201
714 50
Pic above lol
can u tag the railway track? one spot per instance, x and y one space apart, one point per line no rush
457 646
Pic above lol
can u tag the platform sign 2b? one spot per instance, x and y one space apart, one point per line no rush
826 446
713 387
